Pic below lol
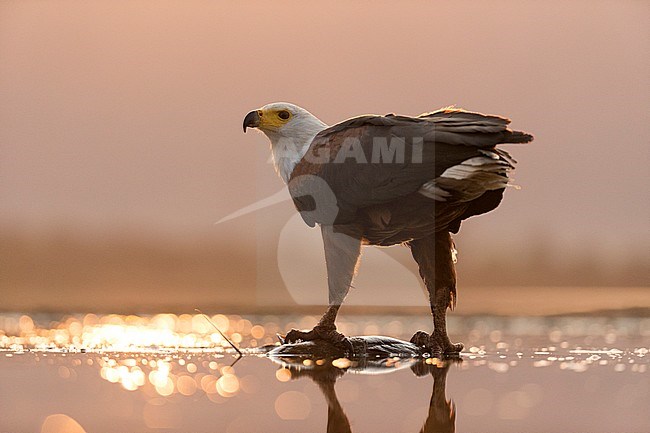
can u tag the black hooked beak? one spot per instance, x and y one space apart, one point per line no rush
252 120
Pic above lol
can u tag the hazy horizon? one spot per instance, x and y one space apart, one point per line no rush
123 120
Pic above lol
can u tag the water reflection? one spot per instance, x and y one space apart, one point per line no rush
441 416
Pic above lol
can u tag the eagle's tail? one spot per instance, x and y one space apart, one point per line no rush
458 126
517 137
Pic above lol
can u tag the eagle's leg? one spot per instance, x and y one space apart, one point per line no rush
342 250
435 257
325 329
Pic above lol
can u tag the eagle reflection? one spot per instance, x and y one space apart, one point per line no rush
441 417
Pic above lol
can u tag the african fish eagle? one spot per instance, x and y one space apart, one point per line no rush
388 180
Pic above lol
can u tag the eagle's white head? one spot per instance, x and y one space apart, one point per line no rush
290 130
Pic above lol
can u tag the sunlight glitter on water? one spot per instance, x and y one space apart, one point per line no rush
118 333
171 361
184 353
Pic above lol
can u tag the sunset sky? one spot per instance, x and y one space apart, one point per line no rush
125 117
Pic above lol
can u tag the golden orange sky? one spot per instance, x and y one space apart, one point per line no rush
126 116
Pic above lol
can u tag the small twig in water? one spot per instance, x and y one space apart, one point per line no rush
219 331
236 360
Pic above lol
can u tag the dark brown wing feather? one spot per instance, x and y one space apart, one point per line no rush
327 190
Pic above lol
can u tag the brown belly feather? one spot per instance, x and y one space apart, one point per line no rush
408 218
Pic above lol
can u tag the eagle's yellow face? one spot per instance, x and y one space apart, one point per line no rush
271 118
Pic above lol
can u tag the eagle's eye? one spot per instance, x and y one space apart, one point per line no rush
284 115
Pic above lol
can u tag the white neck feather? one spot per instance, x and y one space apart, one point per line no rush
290 143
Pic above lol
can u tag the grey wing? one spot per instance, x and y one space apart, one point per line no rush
471 178
418 150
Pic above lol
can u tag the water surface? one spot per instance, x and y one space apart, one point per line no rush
177 374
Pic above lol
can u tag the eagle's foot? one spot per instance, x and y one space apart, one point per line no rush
325 333
436 344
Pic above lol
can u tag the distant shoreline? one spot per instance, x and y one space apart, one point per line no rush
477 301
